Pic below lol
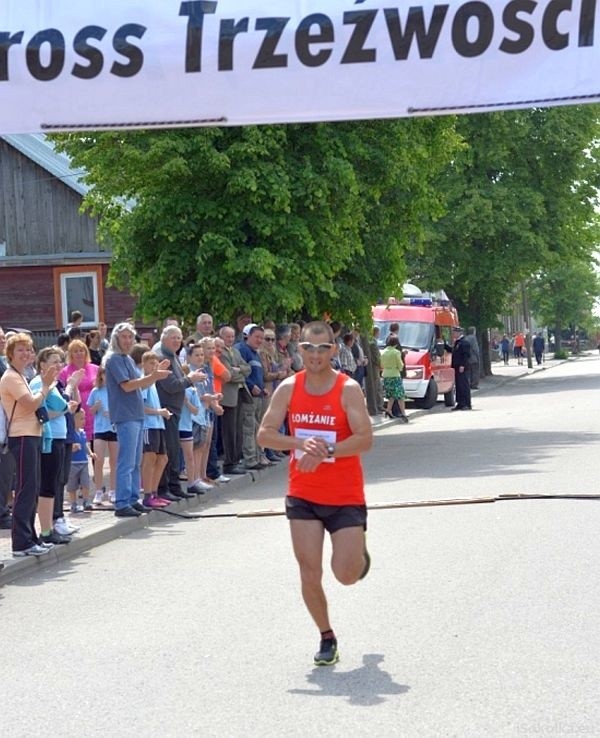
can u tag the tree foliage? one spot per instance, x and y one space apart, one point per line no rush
522 190
564 294
273 221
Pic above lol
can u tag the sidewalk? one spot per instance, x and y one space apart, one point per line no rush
101 526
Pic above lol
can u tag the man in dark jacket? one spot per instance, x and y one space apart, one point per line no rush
461 353
171 393
539 346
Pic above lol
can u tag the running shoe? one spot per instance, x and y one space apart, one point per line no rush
328 652
34 550
64 528
155 503
98 498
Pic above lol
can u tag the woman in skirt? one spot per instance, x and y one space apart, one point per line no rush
391 370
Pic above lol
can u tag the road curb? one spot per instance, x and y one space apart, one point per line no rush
17 568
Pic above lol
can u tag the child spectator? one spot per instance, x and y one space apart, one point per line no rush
201 422
105 439
191 407
79 475
154 458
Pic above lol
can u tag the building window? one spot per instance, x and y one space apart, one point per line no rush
78 289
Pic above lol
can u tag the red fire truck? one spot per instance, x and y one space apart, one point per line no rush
425 325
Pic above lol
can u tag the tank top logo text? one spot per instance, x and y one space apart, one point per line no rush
312 419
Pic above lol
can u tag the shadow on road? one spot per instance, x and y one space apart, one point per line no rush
544 384
365 686
506 451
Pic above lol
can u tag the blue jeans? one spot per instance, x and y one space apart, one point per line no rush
129 462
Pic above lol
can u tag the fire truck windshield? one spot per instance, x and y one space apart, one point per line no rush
417 336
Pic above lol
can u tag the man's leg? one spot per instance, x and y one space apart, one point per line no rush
169 481
307 541
348 558
249 450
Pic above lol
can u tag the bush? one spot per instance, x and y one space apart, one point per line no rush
561 354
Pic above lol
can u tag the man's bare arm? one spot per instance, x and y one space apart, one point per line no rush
353 402
269 435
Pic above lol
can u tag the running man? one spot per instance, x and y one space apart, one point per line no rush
329 427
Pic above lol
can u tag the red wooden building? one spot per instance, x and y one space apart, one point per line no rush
50 259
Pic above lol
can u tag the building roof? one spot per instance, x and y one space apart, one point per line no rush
40 149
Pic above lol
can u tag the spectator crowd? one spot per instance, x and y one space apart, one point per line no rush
173 420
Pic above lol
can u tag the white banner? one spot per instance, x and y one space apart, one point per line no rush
94 64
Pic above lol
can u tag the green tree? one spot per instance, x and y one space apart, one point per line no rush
522 189
564 294
274 220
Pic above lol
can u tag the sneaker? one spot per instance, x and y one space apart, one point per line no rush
112 495
154 503
205 486
166 500
34 550
328 652
76 507
65 529
87 506
45 544
98 497
55 538
127 512
195 489
222 479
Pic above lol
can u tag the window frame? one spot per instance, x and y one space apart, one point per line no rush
61 309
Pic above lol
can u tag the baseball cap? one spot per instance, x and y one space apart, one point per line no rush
247 328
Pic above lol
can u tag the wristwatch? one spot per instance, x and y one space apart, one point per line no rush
330 450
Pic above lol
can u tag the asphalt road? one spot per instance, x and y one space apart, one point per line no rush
475 620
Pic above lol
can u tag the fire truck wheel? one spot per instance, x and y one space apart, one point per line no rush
449 398
430 398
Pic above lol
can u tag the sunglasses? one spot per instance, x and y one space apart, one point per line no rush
320 348
269 339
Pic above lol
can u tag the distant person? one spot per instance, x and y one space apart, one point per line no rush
461 352
505 349
474 361
76 321
519 344
539 346
392 363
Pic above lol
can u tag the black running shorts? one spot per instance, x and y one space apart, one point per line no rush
333 517
155 441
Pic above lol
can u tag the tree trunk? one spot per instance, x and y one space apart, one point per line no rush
371 379
557 335
486 359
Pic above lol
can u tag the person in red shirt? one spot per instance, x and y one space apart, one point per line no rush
328 429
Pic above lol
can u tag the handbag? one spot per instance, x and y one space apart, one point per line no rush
42 415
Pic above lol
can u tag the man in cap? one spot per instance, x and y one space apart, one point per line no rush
461 353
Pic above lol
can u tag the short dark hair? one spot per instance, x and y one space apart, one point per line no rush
392 340
319 327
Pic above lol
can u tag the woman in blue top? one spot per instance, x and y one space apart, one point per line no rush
54 433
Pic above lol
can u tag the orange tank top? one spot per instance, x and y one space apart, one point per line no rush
335 481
